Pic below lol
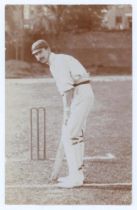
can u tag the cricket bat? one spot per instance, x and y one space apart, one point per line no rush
58 160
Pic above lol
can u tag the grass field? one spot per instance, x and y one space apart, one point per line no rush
109 131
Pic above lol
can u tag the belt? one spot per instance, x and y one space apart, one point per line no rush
81 83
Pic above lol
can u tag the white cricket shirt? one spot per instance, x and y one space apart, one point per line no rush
66 71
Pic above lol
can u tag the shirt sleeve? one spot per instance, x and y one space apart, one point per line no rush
77 70
64 80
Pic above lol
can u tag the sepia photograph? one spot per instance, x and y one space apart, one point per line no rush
68 104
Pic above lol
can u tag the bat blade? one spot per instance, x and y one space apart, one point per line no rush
58 162
59 157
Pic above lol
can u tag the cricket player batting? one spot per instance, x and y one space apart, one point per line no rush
73 83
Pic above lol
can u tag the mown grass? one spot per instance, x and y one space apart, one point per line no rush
108 131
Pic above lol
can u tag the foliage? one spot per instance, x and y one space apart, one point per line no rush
49 21
56 18
87 17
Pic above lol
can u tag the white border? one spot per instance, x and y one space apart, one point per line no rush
69 2
2 105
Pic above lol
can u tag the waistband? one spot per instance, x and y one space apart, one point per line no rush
82 83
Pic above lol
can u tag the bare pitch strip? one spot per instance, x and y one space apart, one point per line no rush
105 157
116 186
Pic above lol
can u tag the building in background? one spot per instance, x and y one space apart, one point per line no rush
118 17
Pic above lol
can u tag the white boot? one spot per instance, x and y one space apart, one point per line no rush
71 182
66 178
63 178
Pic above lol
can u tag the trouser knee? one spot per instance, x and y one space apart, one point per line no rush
76 139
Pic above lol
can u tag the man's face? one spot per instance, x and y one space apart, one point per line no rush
42 56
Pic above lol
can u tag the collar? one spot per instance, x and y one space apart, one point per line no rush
51 58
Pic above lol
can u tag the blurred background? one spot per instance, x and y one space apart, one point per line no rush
100 36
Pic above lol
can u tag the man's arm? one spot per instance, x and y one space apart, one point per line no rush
67 99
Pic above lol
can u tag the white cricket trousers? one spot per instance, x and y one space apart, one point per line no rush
72 137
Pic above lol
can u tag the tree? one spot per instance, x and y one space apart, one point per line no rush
78 17
56 18
58 12
51 20
14 21
47 19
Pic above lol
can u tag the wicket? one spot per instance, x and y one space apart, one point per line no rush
37 135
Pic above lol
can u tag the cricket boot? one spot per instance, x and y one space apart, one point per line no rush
70 183
65 178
